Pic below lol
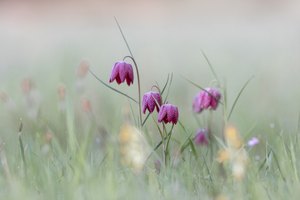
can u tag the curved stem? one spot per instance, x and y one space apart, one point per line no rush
139 87
156 87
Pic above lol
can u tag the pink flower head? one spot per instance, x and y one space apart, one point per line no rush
122 71
253 141
201 137
206 99
150 101
168 113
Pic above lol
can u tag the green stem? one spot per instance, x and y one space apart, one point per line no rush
22 149
139 87
168 141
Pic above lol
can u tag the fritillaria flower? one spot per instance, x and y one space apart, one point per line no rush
206 99
168 113
122 71
151 100
201 137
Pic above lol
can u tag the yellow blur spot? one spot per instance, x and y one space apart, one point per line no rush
133 148
234 153
232 137
223 155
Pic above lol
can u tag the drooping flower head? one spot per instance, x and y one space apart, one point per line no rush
122 71
168 113
151 100
201 137
206 99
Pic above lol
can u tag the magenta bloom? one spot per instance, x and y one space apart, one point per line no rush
168 113
151 100
201 137
122 71
253 141
206 99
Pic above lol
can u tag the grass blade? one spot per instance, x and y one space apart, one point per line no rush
210 66
117 91
238 96
22 149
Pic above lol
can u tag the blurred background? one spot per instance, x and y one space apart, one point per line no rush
46 41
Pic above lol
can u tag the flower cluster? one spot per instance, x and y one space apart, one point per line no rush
168 113
208 98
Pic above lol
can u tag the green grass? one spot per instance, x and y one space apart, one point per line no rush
83 160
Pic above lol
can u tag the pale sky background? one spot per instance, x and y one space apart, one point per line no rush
241 38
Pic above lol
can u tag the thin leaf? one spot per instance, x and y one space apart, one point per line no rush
22 148
191 144
169 88
163 90
210 66
117 91
238 96
124 38
202 88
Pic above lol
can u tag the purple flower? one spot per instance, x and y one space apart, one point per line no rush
150 101
122 71
253 141
201 137
168 113
206 99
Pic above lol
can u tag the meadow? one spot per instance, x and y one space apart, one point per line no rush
66 135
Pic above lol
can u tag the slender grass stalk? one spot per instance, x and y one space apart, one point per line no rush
108 86
168 90
201 88
294 164
211 67
4 163
168 137
139 82
22 148
238 96
132 112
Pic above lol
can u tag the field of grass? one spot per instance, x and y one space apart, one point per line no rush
64 135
